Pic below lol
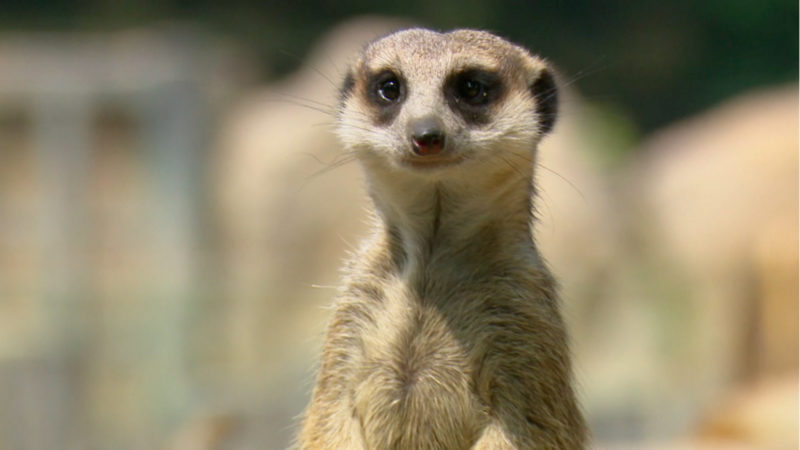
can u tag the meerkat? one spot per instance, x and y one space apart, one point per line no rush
447 332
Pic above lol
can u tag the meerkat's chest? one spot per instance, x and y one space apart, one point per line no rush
414 384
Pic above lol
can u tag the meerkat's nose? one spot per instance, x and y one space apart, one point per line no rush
427 135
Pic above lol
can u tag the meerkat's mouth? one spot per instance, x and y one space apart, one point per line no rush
431 162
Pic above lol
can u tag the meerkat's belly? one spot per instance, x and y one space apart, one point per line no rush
414 388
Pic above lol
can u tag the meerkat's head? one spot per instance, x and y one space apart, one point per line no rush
431 103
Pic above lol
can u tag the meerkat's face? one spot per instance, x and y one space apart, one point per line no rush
428 102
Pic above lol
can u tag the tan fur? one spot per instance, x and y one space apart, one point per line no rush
447 334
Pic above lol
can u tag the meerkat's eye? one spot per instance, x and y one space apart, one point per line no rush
388 88
385 91
474 88
472 91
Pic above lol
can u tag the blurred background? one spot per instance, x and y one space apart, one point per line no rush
174 211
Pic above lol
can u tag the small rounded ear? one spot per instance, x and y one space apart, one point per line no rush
545 92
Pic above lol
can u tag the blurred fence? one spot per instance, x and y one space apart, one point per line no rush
103 141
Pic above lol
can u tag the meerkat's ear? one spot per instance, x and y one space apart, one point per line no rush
545 92
348 84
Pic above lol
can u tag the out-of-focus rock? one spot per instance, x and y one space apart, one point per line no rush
721 194
755 416
760 415
204 432
715 212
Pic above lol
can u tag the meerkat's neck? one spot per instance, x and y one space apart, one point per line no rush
468 218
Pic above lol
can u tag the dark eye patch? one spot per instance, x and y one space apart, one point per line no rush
471 92
386 91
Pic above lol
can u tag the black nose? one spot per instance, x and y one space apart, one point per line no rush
427 136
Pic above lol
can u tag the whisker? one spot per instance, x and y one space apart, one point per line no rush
565 179
312 156
529 159
336 163
513 166
583 73
355 127
328 124
304 105
324 286
313 67
545 200
307 100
